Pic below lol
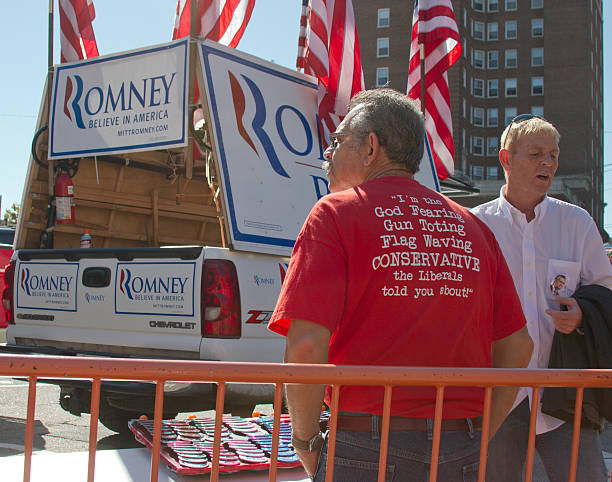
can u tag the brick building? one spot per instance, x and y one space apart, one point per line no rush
539 56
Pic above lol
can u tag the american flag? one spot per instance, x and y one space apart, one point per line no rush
302 37
223 21
77 37
434 26
332 55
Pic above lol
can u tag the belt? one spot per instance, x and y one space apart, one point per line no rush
364 423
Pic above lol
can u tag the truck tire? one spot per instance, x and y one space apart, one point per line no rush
117 420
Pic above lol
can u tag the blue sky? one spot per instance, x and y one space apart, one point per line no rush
129 24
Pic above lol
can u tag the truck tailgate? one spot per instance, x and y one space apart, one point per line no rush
109 297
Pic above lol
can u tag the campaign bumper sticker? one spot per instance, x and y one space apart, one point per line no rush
165 288
47 286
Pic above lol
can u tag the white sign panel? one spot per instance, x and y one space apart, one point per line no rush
164 288
133 101
268 147
426 175
47 286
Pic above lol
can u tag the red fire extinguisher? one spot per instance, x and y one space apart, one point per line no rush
64 199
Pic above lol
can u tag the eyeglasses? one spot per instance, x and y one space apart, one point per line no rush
334 138
524 117
521 118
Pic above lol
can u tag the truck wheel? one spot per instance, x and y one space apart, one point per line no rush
117 420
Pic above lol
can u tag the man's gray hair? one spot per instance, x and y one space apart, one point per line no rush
396 121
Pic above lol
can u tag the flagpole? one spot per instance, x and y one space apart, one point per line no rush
50 168
193 56
422 50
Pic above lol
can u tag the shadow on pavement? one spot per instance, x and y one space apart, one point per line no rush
118 441
12 435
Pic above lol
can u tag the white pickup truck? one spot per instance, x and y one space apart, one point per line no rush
184 302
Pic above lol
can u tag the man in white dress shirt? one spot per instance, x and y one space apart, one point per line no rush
543 240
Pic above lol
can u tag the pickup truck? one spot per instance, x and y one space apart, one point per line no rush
187 302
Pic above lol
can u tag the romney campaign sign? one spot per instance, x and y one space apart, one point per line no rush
132 101
163 288
267 145
47 286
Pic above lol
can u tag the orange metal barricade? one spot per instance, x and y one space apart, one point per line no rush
98 369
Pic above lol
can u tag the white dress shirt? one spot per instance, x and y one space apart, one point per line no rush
562 239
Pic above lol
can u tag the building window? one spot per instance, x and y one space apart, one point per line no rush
492 59
478 30
537 57
510 5
537 27
539 110
511 88
382 76
509 114
464 18
492 88
383 18
493 5
511 30
492 117
478 59
492 31
492 172
478 5
477 171
463 108
477 146
511 60
464 77
478 116
478 87
491 146
537 3
382 47
537 86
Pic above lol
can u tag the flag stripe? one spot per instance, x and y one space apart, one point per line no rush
434 26
299 63
77 39
223 21
332 55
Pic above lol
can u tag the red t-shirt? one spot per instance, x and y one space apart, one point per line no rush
401 276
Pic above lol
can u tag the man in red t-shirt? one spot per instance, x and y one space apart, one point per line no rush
388 272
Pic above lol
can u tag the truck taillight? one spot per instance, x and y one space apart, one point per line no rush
7 293
220 300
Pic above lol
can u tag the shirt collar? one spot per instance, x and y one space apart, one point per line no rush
513 214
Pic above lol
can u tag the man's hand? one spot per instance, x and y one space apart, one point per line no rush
309 460
566 321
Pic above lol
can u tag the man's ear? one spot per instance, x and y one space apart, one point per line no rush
373 149
504 159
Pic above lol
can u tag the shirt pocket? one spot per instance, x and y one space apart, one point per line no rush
562 280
